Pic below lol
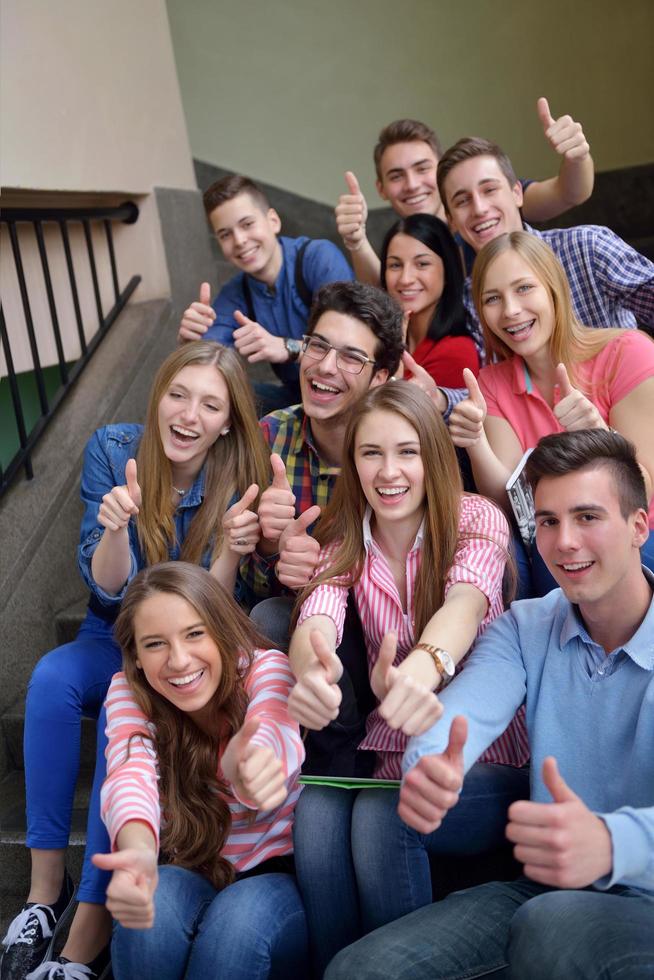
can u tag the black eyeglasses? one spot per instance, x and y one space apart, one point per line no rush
348 360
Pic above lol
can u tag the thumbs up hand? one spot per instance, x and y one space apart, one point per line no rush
298 551
562 843
565 136
351 213
255 772
405 703
277 504
423 380
241 525
432 787
121 502
199 316
572 409
130 895
316 697
254 342
467 419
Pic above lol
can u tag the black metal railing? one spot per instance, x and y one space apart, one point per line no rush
63 217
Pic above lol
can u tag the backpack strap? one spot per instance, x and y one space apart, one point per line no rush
303 290
247 296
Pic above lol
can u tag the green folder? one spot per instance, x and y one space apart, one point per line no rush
348 782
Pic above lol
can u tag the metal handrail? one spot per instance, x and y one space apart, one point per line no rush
127 213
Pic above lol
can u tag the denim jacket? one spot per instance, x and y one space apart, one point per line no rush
105 458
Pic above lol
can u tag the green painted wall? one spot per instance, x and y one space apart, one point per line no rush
295 91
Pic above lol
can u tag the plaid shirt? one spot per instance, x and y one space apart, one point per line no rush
612 284
288 433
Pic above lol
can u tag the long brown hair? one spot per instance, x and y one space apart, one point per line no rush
570 343
235 460
197 817
343 516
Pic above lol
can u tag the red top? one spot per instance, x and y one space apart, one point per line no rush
446 358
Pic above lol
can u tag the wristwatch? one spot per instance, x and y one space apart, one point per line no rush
293 347
442 660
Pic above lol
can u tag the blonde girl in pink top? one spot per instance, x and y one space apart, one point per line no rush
551 373
202 765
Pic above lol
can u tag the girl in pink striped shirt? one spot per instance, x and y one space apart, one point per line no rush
201 745
425 564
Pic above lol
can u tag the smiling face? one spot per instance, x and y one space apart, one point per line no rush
389 464
516 306
480 202
415 276
589 547
178 657
408 179
193 413
329 392
247 236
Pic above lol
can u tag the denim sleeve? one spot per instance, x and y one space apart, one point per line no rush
323 263
488 691
98 478
632 837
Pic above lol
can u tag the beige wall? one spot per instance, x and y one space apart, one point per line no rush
294 92
90 113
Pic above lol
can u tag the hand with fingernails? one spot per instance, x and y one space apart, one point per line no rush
130 894
199 316
254 342
573 410
298 551
277 504
424 380
563 843
241 525
466 422
121 503
351 214
254 771
316 698
432 787
405 703
565 136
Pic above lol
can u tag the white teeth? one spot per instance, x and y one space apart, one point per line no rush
485 225
185 432
519 327
250 251
418 199
391 491
322 387
187 679
576 565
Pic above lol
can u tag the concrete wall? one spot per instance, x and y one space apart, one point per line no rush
295 92
90 114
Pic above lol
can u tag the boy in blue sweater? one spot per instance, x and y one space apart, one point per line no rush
581 660
262 311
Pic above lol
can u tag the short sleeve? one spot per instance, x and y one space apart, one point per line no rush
482 551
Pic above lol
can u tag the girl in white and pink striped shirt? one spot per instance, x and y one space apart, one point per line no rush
425 565
201 745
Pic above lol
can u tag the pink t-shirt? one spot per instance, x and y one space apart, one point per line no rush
610 375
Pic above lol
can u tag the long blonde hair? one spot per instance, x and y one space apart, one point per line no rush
343 516
197 817
571 343
235 460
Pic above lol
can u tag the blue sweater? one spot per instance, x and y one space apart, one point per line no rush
593 712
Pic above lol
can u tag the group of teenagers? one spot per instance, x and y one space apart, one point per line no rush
316 576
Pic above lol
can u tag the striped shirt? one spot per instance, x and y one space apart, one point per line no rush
311 479
612 284
130 790
480 560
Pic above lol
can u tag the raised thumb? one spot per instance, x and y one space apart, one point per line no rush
280 480
474 391
205 293
133 487
555 783
563 380
306 519
457 739
352 182
544 113
247 730
387 653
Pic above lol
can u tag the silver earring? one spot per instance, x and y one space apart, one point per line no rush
224 431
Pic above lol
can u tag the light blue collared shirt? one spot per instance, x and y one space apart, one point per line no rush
593 712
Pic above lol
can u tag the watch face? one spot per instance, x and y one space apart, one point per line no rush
447 662
294 348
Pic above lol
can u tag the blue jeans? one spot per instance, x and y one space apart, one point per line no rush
359 866
516 930
251 930
68 683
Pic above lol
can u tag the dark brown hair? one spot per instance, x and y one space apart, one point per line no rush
567 452
197 817
227 188
404 131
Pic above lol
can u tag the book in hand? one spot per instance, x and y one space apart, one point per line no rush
522 501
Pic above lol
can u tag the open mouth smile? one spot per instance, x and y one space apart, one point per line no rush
186 680
183 436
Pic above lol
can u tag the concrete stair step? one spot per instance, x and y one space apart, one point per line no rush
11 727
14 856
